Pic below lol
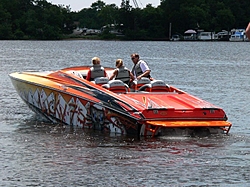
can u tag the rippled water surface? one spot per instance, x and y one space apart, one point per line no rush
34 152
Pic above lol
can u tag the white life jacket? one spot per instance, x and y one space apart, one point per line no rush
97 71
123 74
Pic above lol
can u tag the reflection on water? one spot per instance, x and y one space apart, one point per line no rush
35 152
38 149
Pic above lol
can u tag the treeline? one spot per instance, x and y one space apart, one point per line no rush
34 19
39 19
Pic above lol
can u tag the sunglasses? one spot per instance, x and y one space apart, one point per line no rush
132 58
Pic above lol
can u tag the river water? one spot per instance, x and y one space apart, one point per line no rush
34 152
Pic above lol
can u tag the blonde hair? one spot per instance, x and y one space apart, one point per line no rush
118 63
96 60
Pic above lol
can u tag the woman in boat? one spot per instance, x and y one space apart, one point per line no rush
122 73
140 68
96 70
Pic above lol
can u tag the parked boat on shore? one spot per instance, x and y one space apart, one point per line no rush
223 35
175 37
238 35
205 36
147 108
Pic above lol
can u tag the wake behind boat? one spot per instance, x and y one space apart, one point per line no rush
147 108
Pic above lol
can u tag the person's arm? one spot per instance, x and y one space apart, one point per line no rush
113 75
248 31
88 77
145 69
145 74
105 74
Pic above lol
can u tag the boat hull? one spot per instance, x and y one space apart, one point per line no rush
65 98
60 106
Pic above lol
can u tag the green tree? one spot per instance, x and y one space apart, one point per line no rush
151 21
39 19
5 24
108 14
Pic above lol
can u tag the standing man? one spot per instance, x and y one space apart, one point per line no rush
140 68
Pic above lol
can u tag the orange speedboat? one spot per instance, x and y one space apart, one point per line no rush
146 108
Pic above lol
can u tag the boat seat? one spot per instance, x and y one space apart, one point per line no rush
155 86
136 84
101 80
116 86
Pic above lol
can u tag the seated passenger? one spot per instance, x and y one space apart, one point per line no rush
122 73
140 68
96 70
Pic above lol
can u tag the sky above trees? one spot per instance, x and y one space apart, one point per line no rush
77 5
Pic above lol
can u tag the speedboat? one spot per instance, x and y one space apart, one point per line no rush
145 108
